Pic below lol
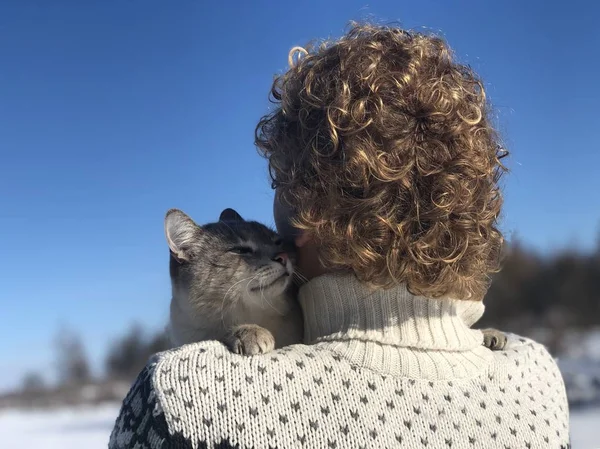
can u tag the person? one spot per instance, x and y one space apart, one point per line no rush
386 170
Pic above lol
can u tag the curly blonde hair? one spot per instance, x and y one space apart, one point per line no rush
384 146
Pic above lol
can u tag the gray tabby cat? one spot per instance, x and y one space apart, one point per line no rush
231 281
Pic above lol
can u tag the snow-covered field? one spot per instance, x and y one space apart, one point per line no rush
89 428
585 429
75 428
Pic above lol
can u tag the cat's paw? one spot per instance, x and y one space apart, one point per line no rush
250 339
494 339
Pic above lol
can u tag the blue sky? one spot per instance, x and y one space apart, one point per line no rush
113 111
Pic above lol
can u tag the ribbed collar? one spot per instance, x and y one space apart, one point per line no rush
355 319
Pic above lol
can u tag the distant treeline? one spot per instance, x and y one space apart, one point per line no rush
76 381
556 293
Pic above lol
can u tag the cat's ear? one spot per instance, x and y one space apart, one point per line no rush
181 232
230 215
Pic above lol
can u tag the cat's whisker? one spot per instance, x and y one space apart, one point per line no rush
299 278
250 281
262 295
223 307
300 275
250 278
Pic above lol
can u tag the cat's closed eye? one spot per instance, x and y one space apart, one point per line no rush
241 250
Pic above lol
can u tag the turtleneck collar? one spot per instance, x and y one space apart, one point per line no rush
385 329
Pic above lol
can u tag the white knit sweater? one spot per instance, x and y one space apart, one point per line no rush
381 369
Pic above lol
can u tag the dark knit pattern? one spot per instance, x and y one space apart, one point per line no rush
141 423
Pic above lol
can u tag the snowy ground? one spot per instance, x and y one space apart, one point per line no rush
89 428
585 429
76 428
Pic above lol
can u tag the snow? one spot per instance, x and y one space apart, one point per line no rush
88 427
585 428
580 367
65 428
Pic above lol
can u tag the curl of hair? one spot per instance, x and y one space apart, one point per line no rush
383 145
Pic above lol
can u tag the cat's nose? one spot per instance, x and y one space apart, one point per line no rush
282 258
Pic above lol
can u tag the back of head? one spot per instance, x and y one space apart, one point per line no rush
382 144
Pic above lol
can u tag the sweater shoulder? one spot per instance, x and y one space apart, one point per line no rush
215 397
213 365
524 356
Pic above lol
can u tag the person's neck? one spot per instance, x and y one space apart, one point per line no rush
309 265
391 330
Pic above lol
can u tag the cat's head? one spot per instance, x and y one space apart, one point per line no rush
229 260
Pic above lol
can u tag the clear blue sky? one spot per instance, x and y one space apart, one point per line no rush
113 111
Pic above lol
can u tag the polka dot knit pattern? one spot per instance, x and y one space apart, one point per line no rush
379 370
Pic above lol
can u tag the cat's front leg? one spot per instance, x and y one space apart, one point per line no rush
250 339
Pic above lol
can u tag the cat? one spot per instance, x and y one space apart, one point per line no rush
231 281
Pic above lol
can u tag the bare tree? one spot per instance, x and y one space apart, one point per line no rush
128 354
72 362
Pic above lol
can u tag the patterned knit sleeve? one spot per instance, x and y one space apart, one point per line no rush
141 422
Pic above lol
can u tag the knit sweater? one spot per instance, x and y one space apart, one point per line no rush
380 369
